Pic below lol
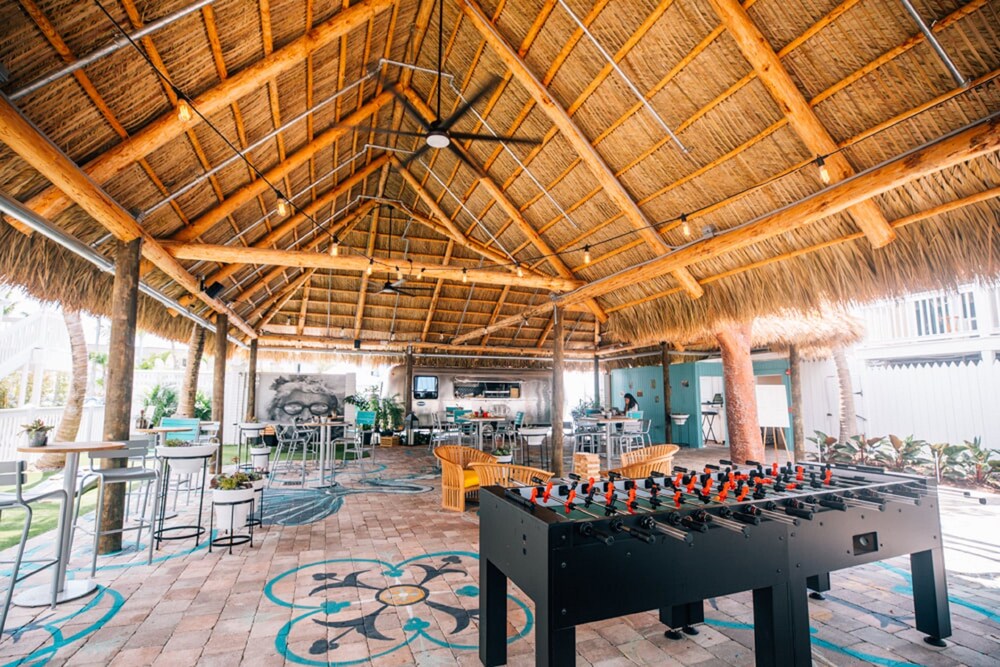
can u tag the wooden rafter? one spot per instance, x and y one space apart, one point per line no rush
602 172
303 309
36 149
359 312
796 108
581 351
358 263
981 139
268 309
167 127
496 312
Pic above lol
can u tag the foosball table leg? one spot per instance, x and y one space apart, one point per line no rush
682 616
781 625
930 595
818 584
492 614
554 646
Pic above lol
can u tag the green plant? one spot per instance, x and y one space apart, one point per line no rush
824 443
501 451
149 363
585 404
388 411
858 449
946 459
37 426
174 442
978 461
232 481
898 453
202 407
162 398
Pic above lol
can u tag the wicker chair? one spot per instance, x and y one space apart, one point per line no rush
646 453
507 474
644 469
457 478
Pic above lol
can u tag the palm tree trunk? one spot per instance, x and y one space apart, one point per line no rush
73 412
189 389
848 413
798 429
743 426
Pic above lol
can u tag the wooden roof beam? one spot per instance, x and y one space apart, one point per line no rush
268 309
324 342
358 263
800 114
981 139
249 191
167 127
38 151
303 310
501 198
359 311
602 172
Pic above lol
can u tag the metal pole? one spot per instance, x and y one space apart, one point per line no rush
935 44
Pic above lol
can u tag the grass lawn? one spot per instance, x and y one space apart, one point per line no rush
46 515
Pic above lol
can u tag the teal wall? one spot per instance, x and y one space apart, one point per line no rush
685 395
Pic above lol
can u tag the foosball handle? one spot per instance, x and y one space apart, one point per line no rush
519 499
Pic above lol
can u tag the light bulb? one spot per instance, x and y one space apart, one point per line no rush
335 247
824 173
465 276
685 226
586 254
183 111
282 208
371 263
520 271
420 276
399 273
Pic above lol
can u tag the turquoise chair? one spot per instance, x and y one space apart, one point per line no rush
635 414
357 446
186 436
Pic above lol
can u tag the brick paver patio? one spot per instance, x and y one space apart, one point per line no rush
384 575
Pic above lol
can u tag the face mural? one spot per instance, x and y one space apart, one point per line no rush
287 398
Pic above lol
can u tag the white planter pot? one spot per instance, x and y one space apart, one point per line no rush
177 457
679 420
258 484
231 515
505 459
259 457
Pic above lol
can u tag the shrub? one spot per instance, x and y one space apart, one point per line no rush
901 453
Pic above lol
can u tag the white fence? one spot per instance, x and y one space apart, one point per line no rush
91 426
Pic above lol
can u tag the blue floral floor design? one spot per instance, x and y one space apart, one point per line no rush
361 609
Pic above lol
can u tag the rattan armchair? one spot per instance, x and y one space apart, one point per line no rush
457 478
644 469
646 453
508 474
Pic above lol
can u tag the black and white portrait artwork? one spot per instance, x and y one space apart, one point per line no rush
284 398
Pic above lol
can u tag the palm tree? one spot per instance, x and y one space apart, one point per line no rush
73 412
848 413
189 388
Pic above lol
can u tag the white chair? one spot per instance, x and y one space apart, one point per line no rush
12 474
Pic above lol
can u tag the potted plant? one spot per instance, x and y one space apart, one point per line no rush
186 457
37 432
260 457
503 455
679 418
233 488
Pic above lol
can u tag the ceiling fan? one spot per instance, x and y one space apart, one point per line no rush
397 287
438 133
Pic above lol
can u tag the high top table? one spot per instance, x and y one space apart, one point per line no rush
41 595
325 455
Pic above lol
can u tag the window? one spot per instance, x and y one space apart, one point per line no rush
425 386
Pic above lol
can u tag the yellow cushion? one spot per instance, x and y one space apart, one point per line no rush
471 478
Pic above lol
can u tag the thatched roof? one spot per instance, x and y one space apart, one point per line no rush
868 84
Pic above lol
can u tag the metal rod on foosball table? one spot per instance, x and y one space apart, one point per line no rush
669 527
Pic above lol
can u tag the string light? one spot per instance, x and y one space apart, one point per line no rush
824 173
685 226
465 276
183 111
371 265
586 254
282 207
335 246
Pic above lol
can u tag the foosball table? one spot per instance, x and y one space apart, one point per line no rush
588 550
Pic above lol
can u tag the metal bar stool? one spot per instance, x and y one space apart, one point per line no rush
12 473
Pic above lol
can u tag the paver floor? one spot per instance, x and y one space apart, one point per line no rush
375 572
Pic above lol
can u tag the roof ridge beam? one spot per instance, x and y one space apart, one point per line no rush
983 138
45 157
800 114
557 114
167 127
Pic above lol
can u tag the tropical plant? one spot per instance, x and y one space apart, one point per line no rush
857 449
388 411
824 442
233 481
947 460
202 407
37 426
978 461
898 453
162 398
149 363
501 451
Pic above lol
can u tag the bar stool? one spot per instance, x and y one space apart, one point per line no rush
135 453
12 474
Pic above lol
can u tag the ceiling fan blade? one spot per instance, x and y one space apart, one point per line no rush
410 109
490 137
464 109
414 155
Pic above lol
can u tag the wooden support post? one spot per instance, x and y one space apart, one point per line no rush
667 421
557 392
795 375
219 383
252 382
189 389
408 389
741 395
121 368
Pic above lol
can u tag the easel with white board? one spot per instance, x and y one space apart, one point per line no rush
772 413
